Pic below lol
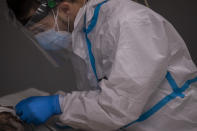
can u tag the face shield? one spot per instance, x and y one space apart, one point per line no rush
50 32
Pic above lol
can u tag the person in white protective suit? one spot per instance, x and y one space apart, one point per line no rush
139 68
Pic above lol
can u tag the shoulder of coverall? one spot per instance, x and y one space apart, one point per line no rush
115 15
129 11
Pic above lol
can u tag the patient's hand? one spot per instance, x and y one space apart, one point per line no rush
9 122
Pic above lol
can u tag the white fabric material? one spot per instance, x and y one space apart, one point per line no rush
134 48
5 109
13 99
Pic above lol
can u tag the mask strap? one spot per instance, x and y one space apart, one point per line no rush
68 28
85 2
56 19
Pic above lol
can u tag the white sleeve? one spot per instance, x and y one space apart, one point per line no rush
139 66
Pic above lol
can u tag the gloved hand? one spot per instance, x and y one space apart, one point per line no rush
38 109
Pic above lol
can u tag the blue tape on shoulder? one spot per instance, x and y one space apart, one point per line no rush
176 92
95 17
174 86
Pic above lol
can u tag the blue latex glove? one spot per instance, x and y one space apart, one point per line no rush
38 109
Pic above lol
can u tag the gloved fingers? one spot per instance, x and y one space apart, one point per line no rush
19 112
20 104
37 122
24 118
19 108
33 109
28 121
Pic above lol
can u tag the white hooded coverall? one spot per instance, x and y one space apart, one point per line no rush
149 79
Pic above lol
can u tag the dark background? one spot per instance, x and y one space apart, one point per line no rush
22 65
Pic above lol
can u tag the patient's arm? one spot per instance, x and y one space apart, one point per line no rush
9 122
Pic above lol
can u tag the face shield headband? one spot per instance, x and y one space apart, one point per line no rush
42 11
